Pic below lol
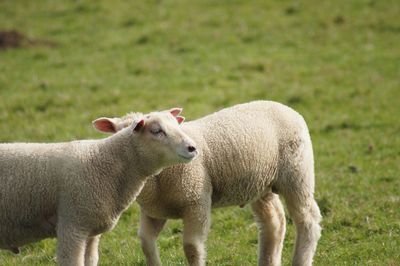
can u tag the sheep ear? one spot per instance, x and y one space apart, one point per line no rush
180 119
138 126
105 125
176 111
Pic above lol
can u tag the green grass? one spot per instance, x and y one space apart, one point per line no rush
336 62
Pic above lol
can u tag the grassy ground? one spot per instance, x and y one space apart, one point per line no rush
337 62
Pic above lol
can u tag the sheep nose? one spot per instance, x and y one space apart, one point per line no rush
191 149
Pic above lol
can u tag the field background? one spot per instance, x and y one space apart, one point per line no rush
336 62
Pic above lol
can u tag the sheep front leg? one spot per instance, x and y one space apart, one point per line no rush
92 251
148 233
270 217
70 246
196 224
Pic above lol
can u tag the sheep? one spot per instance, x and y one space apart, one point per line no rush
249 153
77 190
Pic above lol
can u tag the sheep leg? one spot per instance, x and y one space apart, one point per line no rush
92 251
70 246
148 233
270 217
306 216
196 224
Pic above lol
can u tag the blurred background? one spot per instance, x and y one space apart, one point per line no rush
65 63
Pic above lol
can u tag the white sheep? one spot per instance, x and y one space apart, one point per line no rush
76 191
247 152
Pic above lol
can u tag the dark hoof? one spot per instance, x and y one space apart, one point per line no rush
15 250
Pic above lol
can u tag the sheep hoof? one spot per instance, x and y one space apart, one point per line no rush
15 250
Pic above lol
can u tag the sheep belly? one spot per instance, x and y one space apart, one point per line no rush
22 233
243 168
240 190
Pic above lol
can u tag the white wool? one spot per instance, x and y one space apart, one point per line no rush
246 152
77 190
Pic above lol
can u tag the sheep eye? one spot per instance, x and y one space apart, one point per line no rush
157 132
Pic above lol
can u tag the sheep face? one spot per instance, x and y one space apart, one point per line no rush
158 135
163 134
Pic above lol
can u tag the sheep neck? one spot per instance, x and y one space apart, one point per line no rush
128 168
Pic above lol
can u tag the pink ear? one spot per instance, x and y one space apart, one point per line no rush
139 125
175 111
180 119
104 124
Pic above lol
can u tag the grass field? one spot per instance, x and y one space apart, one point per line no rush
336 62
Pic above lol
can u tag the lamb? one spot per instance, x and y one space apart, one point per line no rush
77 190
249 153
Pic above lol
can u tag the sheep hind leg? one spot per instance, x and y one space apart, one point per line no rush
92 252
196 224
306 216
148 233
270 217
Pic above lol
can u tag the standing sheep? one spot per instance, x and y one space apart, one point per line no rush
247 152
77 190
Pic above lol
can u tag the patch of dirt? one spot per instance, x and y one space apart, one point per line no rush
15 39
10 39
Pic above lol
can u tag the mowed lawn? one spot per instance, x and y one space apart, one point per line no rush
336 62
